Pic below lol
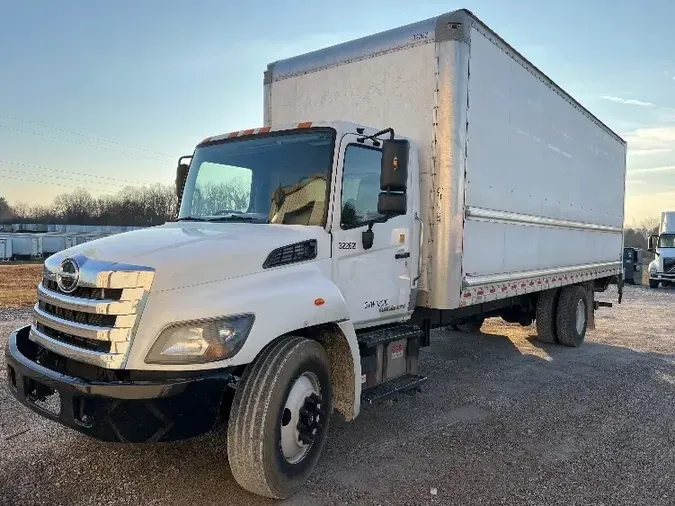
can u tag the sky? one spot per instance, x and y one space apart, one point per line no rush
106 94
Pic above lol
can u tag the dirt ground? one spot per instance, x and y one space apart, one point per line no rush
18 284
502 420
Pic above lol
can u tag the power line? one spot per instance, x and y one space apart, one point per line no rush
41 167
62 177
51 183
107 148
86 136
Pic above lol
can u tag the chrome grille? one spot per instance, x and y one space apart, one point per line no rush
93 324
87 344
86 293
101 320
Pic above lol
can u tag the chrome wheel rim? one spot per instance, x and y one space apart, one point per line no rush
581 316
301 419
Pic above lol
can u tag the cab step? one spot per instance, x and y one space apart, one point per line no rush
372 338
391 387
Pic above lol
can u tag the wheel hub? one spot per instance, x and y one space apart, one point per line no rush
311 419
580 317
302 419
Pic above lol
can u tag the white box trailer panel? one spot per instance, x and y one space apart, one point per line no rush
5 249
52 243
24 245
517 180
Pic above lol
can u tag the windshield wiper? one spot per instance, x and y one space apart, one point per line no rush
236 217
191 218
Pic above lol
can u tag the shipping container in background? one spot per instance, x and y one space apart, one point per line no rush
5 249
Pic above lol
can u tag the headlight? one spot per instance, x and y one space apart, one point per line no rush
202 341
652 268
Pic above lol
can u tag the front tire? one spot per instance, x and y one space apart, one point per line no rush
280 417
653 284
572 316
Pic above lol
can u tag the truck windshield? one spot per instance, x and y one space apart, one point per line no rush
279 178
667 241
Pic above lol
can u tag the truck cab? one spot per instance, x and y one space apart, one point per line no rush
662 268
294 236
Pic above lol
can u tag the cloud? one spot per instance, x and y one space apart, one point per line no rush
647 205
665 168
627 101
646 152
662 137
666 114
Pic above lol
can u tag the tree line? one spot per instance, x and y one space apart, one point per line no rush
132 206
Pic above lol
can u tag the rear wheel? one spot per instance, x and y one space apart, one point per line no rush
653 284
547 304
280 417
572 316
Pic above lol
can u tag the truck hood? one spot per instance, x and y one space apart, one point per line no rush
185 254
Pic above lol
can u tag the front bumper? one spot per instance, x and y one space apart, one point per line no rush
661 276
142 410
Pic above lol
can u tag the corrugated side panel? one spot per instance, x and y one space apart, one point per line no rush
533 153
391 90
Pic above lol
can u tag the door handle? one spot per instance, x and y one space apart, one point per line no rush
402 255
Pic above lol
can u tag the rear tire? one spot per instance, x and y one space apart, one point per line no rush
572 316
472 327
281 398
547 304
653 284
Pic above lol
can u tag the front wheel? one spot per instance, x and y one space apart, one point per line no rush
653 284
279 418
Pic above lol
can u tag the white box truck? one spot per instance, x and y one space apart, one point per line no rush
662 269
413 179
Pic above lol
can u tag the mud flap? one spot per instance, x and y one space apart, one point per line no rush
590 316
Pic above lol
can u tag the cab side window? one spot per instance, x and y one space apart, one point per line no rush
360 186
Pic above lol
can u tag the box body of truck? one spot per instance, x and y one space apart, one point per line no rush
521 188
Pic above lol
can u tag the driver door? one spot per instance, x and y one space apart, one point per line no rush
375 281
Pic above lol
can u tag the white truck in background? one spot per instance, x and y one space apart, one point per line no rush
662 268
418 178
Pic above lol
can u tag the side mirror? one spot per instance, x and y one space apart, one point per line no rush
181 176
393 177
392 204
652 243
394 168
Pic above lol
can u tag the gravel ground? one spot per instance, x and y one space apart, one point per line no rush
502 420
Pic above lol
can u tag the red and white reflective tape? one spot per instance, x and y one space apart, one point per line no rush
255 131
493 291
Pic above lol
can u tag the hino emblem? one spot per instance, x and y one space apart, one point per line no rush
68 275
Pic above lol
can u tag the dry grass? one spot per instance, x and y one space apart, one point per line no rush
18 284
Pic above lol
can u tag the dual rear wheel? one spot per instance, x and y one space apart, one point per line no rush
562 315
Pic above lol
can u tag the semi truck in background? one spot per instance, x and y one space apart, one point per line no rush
414 179
662 269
